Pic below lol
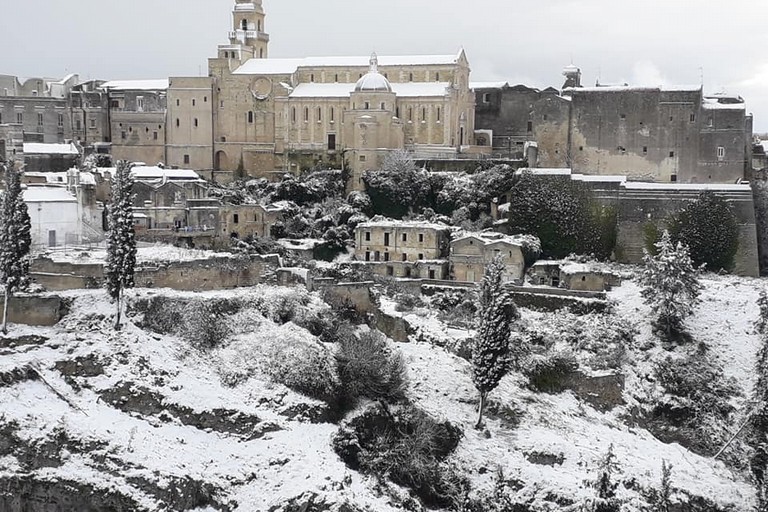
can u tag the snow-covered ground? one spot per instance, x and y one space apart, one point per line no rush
291 456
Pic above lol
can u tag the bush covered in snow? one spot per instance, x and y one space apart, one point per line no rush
564 215
370 367
548 372
406 446
205 324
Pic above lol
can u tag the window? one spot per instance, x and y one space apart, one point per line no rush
236 219
421 256
622 116
140 103
693 118
78 126
261 53
437 77
336 77
367 236
250 117
671 154
332 114
312 77
154 135
306 114
386 256
205 99
1 118
367 255
39 119
93 123
319 114
178 123
421 238
390 270
244 25
711 121
221 104
195 122
367 105
34 93
673 178
405 257
114 104
486 97
258 25
362 158
410 113
293 114
60 123
122 135
383 106
186 159
405 237
645 150
424 113
438 114
720 152
386 239
530 126
410 77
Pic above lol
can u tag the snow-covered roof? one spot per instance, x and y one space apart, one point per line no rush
392 223
303 244
36 148
343 90
488 85
154 172
546 171
50 177
635 88
87 178
716 187
290 66
137 85
714 104
489 239
45 194
599 177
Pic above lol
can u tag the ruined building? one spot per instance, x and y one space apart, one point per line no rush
664 134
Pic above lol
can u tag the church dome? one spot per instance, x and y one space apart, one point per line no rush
373 81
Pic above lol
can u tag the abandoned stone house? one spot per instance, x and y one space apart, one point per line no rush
471 253
404 249
666 134
572 276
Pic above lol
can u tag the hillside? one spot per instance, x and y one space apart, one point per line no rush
182 409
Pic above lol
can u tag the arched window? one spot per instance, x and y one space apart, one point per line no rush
410 77
319 113
437 77
258 25
293 114
244 25
332 114
196 123
438 114
261 53
312 77
424 113
410 113
383 106
306 113
250 117
367 105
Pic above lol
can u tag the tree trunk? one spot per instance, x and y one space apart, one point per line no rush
481 410
5 310
117 321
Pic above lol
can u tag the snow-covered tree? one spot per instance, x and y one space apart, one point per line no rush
497 315
121 239
670 284
757 435
15 238
606 487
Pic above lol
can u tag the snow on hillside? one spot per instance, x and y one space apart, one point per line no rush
148 254
159 430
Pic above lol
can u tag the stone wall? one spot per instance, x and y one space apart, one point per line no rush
199 275
35 310
358 294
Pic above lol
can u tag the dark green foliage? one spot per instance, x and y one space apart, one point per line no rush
549 373
757 431
15 238
564 215
406 446
205 324
313 187
498 312
651 236
709 228
121 238
605 486
370 367
661 498
474 192
256 245
398 187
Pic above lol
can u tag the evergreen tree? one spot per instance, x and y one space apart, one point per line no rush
670 284
606 487
15 238
491 351
710 230
121 239
757 434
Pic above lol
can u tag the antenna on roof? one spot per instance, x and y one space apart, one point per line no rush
701 71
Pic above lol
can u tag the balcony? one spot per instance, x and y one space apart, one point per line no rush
243 35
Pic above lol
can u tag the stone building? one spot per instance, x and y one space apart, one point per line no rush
137 119
250 220
267 116
404 249
89 107
667 134
470 254
35 110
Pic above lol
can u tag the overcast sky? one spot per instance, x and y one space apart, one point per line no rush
652 42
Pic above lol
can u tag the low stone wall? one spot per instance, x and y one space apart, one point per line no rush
358 294
42 311
555 302
200 275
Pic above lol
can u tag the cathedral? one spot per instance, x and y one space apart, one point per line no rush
260 116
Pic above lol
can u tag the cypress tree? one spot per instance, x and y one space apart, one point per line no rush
121 238
491 351
15 239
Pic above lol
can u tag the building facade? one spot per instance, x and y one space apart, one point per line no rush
665 134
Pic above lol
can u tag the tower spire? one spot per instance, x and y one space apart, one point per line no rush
374 63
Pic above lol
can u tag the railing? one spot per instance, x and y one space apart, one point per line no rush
248 34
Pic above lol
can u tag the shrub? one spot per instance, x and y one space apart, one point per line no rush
548 373
407 447
709 228
303 366
368 366
405 302
205 324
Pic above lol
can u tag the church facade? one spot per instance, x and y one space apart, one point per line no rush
260 116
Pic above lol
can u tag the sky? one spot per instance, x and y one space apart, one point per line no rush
653 42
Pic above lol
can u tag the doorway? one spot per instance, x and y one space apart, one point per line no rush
331 142
52 238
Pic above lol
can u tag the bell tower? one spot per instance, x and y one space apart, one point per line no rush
248 29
